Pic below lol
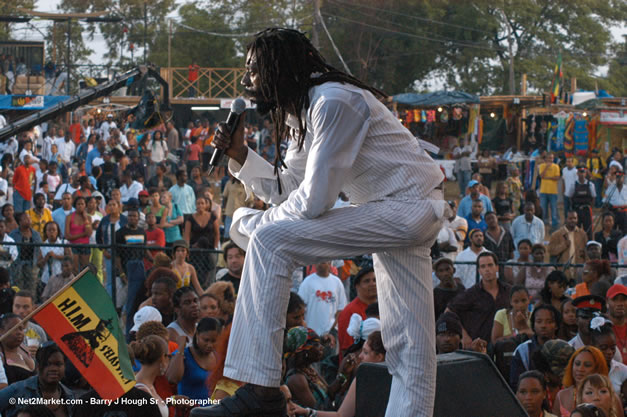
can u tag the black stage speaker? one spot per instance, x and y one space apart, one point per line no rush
468 385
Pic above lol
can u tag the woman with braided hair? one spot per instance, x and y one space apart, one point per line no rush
342 138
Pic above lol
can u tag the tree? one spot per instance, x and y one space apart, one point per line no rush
12 9
139 17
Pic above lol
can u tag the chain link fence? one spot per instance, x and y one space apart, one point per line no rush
32 264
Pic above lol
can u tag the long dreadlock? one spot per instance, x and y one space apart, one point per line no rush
286 60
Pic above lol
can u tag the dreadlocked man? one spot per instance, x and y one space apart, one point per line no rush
342 139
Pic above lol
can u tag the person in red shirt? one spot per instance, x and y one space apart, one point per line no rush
366 286
76 131
154 237
617 304
23 184
192 155
192 77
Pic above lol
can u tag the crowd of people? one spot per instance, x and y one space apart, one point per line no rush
538 295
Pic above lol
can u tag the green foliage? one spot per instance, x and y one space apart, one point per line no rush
10 8
137 15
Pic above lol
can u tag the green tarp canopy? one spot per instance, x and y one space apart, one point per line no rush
439 98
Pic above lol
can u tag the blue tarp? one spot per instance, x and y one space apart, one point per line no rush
439 98
6 102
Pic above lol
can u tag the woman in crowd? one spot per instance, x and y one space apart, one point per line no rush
372 352
152 353
8 213
197 181
512 321
185 272
302 350
51 256
554 289
202 224
187 311
155 205
532 392
608 237
209 306
516 274
295 312
171 218
93 209
162 385
569 328
45 385
545 322
596 389
224 292
593 270
18 365
78 231
585 361
192 364
603 338
536 275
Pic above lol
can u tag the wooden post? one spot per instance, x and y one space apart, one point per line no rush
523 86
573 85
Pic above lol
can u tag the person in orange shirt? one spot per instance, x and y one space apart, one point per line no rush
592 272
23 184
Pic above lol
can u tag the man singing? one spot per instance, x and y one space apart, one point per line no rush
342 139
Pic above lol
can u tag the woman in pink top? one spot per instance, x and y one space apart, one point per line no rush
77 232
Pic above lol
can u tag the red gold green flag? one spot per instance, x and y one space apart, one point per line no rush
557 80
82 320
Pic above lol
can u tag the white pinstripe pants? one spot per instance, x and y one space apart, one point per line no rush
400 233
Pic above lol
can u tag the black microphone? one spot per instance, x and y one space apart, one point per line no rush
237 107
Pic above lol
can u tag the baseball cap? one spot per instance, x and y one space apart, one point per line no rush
144 314
615 290
144 193
581 168
97 194
594 243
472 183
180 244
109 115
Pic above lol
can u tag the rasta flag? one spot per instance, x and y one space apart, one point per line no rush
558 76
81 319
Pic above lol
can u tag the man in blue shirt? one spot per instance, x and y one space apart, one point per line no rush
97 152
465 205
476 220
60 214
528 226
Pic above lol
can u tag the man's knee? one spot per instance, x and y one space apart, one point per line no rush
272 236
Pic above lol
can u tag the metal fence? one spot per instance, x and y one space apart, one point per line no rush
28 265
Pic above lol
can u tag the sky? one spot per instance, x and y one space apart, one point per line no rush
99 45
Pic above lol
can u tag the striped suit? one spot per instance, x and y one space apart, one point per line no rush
354 144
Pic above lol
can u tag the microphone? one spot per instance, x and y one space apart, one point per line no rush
237 107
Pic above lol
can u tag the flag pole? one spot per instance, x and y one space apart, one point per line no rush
42 306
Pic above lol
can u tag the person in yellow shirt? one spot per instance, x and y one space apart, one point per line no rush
596 166
39 215
550 175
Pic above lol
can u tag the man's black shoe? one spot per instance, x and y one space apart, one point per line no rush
245 403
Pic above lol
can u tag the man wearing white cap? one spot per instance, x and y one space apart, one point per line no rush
144 314
106 126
